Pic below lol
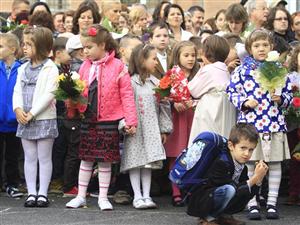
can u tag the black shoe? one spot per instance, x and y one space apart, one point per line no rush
254 213
30 203
42 203
13 192
272 215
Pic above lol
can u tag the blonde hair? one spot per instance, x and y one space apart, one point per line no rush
136 13
12 41
106 5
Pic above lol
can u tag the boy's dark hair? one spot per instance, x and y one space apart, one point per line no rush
216 48
232 39
59 13
157 24
238 13
43 19
59 44
294 59
243 131
195 8
136 63
37 4
103 36
124 40
197 41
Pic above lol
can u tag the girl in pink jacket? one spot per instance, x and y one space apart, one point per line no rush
110 99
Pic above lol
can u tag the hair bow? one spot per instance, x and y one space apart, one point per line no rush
92 31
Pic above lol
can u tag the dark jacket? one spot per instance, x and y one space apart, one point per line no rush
201 201
8 122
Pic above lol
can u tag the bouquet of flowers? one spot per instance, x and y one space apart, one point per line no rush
271 74
173 86
13 25
292 114
70 90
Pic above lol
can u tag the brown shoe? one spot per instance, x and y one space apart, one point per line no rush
229 220
205 222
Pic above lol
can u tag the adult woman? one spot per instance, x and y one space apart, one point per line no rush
279 21
296 25
138 18
220 20
159 10
111 11
84 17
174 17
237 19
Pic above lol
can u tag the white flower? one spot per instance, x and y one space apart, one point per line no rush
259 110
273 56
264 104
258 92
249 85
273 111
274 127
250 117
265 120
75 75
259 125
235 78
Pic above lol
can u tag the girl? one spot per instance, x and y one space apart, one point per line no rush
292 135
144 151
184 55
110 98
34 105
264 111
208 86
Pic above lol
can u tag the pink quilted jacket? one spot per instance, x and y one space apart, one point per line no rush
115 94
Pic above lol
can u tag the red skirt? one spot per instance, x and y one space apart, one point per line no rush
99 142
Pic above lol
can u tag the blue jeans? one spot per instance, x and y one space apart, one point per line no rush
222 196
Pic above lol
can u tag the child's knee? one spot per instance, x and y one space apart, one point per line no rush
230 190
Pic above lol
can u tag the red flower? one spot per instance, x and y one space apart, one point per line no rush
92 31
165 82
296 102
24 22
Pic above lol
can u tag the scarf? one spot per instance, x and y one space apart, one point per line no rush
96 68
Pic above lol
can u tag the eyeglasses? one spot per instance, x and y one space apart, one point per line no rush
281 19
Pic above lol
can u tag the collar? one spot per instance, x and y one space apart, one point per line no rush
151 78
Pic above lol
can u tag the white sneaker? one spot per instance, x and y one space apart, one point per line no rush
76 202
139 204
149 203
105 205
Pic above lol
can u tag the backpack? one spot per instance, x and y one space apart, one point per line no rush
193 163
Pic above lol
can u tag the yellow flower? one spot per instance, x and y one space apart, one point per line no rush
61 77
80 85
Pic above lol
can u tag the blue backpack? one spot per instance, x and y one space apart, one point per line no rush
193 163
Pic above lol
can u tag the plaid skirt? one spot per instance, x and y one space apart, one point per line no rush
99 142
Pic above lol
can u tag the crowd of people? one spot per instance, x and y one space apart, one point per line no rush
127 140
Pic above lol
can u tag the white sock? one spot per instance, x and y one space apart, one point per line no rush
252 201
104 175
44 148
85 173
135 180
274 182
146 182
30 165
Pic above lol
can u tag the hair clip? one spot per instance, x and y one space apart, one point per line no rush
92 31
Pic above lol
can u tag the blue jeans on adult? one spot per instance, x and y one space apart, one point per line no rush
222 196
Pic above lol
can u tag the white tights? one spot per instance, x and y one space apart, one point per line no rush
136 176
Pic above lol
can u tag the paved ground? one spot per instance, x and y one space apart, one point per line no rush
12 212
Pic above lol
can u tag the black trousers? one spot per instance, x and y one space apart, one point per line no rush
65 153
10 150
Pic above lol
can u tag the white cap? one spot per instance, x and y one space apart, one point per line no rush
73 43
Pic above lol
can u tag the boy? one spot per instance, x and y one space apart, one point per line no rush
228 188
60 54
159 38
9 143
127 43
75 50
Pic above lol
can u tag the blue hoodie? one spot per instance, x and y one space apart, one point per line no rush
8 122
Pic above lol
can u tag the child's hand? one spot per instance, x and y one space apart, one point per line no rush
188 104
163 138
233 64
21 116
260 171
29 117
251 103
179 107
131 130
276 99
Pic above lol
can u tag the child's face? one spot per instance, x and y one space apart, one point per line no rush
151 62
187 57
242 151
235 26
6 51
260 49
92 50
220 21
126 51
28 47
160 39
62 57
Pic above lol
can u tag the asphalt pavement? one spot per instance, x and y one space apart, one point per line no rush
12 212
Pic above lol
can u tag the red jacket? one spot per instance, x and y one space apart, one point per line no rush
115 94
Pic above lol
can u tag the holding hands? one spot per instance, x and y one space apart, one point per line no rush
23 117
131 130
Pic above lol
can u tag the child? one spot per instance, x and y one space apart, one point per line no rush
209 86
144 151
184 55
127 44
232 60
159 38
34 105
9 143
293 134
60 53
75 50
110 98
264 111
228 188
